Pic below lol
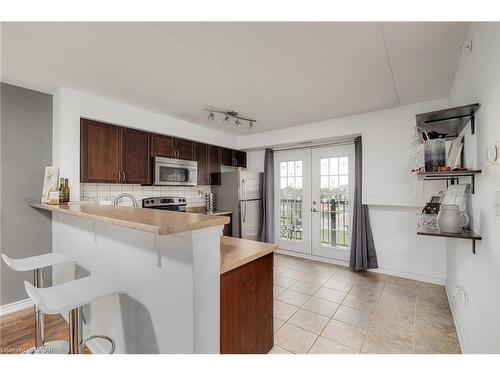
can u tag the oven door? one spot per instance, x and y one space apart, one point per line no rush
175 174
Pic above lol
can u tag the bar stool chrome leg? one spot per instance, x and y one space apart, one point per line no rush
39 319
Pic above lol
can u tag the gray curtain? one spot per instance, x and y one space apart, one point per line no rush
267 230
363 254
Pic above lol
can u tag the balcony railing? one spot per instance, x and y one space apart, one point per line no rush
334 221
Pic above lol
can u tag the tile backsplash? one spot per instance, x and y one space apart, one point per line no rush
105 193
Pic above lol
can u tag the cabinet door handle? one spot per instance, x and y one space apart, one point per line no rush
118 172
123 172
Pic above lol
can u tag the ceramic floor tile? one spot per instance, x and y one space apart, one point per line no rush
330 295
378 343
361 303
284 282
345 334
305 287
325 346
277 324
292 297
321 306
277 290
294 339
354 317
397 299
309 321
279 350
283 311
372 292
346 275
341 286
316 279
292 274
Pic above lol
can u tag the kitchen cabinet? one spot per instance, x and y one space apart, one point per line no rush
116 154
136 160
246 308
200 155
233 158
240 159
100 152
163 145
213 164
113 154
184 149
171 147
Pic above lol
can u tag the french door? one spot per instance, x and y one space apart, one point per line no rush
313 195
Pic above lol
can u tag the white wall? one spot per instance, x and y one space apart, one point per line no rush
393 193
387 157
70 105
477 79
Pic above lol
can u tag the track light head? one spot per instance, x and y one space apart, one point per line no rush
226 119
237 122
211 116
250 125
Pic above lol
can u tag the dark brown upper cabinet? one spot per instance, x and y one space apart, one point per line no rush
163 145
201 156
213 162
240 159
226 156
170 147
100 152
136 160
184 149
233 158
114 154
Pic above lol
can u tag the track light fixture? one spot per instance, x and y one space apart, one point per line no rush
231 114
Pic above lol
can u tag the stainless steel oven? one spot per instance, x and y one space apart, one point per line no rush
175 172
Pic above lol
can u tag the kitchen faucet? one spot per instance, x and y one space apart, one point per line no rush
123 195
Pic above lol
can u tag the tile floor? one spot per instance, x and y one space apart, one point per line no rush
321 308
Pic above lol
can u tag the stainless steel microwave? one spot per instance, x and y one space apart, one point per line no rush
175 172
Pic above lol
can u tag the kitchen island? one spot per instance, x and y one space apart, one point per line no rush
168 265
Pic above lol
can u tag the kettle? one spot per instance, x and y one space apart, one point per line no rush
451 220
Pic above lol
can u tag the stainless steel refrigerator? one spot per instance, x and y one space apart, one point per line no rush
241 193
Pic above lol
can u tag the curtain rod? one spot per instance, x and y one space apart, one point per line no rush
315 145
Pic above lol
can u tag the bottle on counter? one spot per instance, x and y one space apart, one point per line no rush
66 191
61 190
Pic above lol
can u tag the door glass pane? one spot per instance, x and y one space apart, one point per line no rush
334 203
291 194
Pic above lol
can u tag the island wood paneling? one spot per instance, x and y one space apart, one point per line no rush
246 311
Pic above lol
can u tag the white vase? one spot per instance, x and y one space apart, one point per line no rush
450 219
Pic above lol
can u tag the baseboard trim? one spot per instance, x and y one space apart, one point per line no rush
460 333
396 273
13 307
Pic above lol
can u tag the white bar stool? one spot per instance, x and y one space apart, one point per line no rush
71 296
37 264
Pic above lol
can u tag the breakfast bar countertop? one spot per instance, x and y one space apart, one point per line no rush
235 252
143 219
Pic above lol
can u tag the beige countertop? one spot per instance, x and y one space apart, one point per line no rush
203 210
235 252
147 220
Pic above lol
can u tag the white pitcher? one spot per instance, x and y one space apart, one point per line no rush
450 219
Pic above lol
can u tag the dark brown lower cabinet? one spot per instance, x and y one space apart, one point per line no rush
246 308
228 228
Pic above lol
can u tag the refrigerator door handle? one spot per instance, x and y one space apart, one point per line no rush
244 211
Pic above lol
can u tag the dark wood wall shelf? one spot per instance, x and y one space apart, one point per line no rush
451 176
450 121
465 234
